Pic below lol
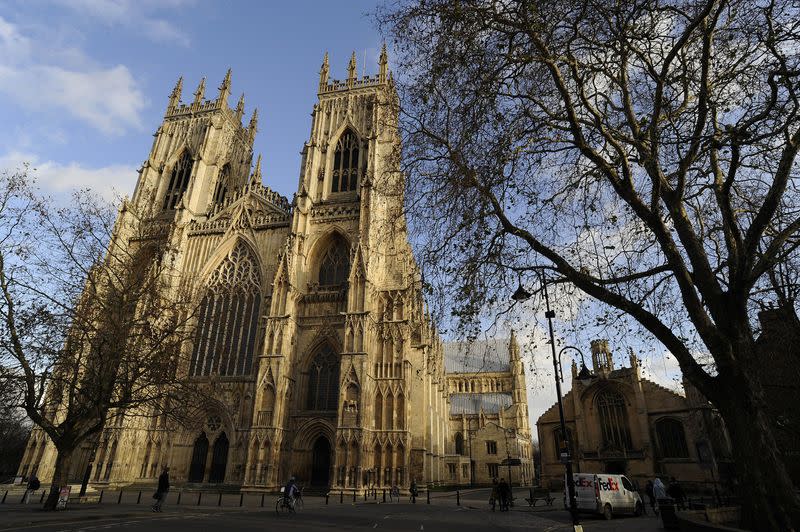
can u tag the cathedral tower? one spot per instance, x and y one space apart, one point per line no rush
200 154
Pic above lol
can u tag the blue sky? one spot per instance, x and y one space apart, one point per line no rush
84 83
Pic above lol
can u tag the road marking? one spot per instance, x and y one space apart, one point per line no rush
375 525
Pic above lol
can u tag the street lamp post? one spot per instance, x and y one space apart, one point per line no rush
520 295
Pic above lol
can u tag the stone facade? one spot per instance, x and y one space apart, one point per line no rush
623 423
489 427
779 347
313 342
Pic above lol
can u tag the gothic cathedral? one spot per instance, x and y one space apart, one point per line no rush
313 343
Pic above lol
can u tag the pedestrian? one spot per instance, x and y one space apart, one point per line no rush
504 490
651 496
394 493
495 494
675 490
161 492
33 485
659 490
414 490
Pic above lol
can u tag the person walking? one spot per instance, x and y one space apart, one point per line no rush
495 494
162 490
504 490
651 496
414 491
675 490
33 485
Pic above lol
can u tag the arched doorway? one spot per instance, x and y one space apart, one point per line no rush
198 466
219 460
321 462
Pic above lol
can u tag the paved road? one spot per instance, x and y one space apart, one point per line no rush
386 517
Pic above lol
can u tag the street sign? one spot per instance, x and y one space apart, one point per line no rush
63 497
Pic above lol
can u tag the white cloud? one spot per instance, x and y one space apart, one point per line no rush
108 99
135 15
56 178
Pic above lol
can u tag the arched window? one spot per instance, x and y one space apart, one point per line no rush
226 334
613 420
559 443
222 184
348 161
335 264
323 381
178 181
671 438
459 444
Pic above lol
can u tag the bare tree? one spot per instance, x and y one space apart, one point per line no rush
92 319
644 152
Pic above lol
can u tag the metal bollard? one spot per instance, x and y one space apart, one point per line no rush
139 498
365 495
384 495
429 495
241 499
199 496
180 492
326 499
354 495
341 497
101 497
262 500
458 498
119 499
4 497
41 499
219 502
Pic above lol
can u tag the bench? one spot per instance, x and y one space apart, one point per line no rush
540 494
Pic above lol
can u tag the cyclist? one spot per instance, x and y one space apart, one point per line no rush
290 492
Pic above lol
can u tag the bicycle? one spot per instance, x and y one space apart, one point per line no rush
289 504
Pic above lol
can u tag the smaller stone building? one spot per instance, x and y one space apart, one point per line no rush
779 374
622 423
489 425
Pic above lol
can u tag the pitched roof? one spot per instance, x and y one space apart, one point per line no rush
478 356
472 403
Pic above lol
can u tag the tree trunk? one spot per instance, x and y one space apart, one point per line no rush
767 493
60 477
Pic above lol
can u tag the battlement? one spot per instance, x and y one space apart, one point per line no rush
383 77
343 85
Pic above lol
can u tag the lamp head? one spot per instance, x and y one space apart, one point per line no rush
584 375
520 294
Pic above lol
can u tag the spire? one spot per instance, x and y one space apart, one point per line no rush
513 347
225 88
383 64
175 95
253 127
351 70
200 93
240 108
256 176
324 73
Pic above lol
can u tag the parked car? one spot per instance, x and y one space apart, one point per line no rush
606 494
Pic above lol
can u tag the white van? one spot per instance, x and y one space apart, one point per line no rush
605 494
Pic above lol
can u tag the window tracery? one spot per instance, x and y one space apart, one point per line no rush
671 438
178 181
349 163
226 334
613 420
323 381
335 264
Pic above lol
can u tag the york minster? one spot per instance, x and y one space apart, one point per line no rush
313 344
